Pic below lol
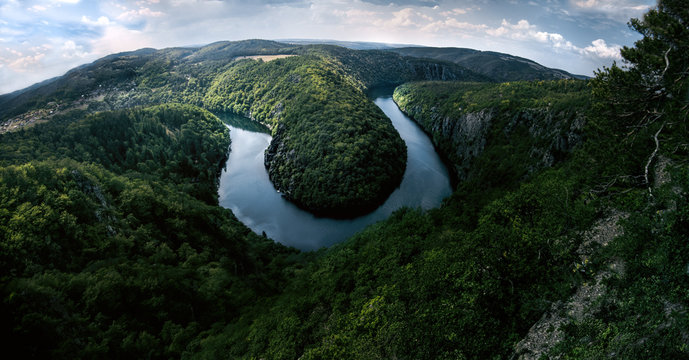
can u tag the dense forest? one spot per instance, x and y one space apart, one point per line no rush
565 237
498 66
327 154
112 243
530 125
333 151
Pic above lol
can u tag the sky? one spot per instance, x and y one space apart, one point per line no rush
40 39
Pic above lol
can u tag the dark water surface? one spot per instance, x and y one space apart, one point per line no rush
247 191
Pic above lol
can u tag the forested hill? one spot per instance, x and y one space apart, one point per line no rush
333 152
110 230
499 66
544 119
136 75
566 238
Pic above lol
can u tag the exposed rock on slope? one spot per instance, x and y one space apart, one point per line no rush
538 128
546 333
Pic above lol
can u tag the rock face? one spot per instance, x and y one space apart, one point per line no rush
547 332
550 134
460 140
555 134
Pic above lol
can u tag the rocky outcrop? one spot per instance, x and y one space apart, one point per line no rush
551 134
554 133
459 140
547 332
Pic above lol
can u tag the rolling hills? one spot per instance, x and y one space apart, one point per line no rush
566 235
499 66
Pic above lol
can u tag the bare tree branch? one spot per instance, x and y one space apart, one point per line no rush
667 62
650 158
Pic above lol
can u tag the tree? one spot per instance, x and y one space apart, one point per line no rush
649 93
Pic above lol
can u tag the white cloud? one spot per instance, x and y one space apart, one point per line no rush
9 31
26 63
524 31
354 16
453 24
117 38
455 12
618 10
38 8
404 17
131 15
600 49
102 21
70 50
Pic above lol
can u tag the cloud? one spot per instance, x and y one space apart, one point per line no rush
524 31
456 11
404 17
144 12
429 3
102 21
26 63
449 24
71 50
618 10
117 38
38 8
600 49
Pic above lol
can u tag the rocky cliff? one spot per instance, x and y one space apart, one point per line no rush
534 136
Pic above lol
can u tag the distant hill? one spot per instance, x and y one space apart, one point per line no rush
135 74
499 66
300 91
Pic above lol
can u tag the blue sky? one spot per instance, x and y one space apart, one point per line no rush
45 38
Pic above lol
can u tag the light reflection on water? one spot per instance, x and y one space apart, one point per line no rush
246 189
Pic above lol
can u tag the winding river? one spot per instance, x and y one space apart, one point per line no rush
246 189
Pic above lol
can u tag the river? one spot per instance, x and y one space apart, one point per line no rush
246 189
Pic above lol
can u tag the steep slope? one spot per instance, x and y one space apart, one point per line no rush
543 120
180 278
498 66
109 230
334 153
463 281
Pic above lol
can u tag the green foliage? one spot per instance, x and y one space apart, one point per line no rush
333 151
644 314
122 253
457 98
111 244
179 143
496 135
416 286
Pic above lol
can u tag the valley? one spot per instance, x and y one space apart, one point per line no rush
245 188
491 208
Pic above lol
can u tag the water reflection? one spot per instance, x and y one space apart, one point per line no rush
246 189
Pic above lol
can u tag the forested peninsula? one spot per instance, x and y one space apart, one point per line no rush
333 151
565 236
